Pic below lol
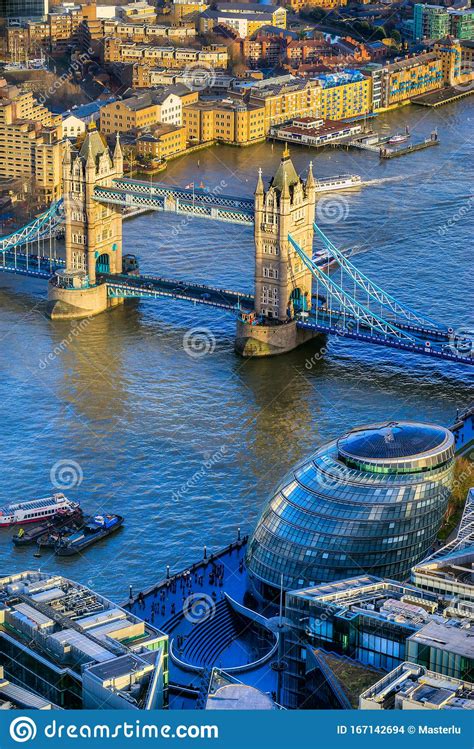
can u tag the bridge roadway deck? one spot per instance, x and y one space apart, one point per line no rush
427 342
438 343
151 287
26 264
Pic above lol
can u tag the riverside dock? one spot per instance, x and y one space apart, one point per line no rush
444 96
373 142
389 153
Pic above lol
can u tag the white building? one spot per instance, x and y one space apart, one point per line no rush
73 126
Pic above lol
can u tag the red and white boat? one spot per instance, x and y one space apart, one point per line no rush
35 510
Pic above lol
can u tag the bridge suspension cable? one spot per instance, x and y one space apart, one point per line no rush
372 290
36 229
349 305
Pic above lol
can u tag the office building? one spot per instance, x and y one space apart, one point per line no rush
371 500
75 648
12 9
135 112
412 687
379 623
430 21
225 121
30 142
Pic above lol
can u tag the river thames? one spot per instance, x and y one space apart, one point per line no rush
188 447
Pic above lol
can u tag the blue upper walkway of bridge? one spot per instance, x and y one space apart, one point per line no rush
194 201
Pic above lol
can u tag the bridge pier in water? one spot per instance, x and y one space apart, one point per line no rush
269 340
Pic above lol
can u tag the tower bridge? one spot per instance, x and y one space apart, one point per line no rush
295 298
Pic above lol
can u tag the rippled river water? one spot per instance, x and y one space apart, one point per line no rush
125 402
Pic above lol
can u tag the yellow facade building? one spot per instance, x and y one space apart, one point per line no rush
457 61
30 142
284 98
344 95
225 121
187 9
162 142
145 110
117 50
412 76
298 5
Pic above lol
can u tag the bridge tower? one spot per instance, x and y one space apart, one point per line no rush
283 283
93 232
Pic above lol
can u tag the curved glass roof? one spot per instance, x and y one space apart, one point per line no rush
394 441
334 516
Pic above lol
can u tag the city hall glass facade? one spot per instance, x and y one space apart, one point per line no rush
372 501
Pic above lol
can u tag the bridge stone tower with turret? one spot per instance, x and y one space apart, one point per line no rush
283 283
93 232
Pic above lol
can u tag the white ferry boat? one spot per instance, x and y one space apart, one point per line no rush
35 510
340 182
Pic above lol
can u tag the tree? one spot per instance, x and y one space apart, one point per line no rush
462 482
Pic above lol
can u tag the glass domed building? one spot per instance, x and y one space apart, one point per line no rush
371 501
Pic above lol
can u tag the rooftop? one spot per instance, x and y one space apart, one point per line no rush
84 111
352 677
410 686
262 15
72 627
93 144
239 697
411 62
274 86
255 7
383 600
286 171
451 636
14 697
394 440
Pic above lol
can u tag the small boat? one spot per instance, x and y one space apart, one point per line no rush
95 528
325 259
339 182
35 510
399 138
60 522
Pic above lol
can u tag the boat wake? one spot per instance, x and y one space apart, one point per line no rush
384 180
357 250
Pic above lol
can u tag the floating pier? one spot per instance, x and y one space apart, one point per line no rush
444 96
388 153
